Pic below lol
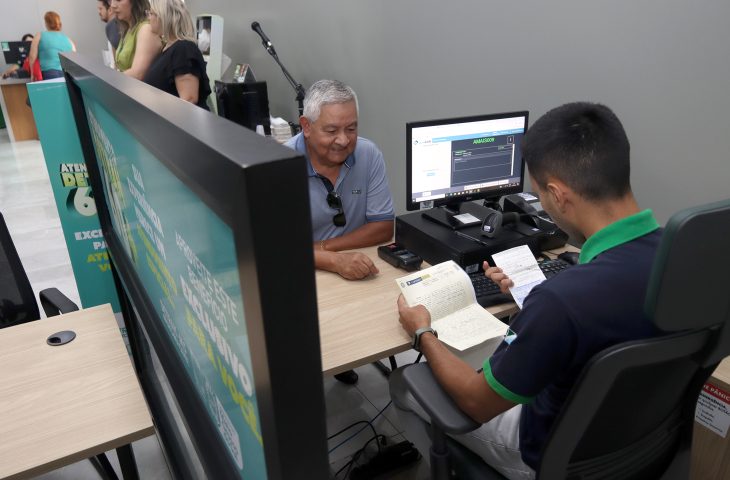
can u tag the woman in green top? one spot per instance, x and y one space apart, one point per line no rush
138 46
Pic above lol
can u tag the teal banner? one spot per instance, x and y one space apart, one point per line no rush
73 195
185 257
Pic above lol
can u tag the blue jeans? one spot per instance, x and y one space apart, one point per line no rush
49 74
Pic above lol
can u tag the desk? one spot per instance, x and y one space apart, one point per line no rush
63 404
358 320
18 115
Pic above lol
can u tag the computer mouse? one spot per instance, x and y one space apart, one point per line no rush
570 257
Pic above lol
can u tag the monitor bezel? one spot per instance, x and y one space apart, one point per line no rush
179 135
411 205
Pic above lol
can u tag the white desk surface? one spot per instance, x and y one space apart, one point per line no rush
62 404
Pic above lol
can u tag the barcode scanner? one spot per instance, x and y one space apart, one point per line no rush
493 222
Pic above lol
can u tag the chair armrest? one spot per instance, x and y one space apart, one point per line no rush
435 401
54 302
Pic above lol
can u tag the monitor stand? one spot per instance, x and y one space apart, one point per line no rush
449 215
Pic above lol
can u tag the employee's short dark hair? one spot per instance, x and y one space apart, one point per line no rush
105 2
582 144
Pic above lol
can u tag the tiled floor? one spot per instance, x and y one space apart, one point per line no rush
26 202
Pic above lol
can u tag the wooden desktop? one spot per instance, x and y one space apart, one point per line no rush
63 404
18 115
358 320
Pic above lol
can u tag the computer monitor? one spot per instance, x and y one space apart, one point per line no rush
246 104
455 160
15 52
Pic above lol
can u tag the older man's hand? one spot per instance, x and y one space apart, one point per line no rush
354 265
412 318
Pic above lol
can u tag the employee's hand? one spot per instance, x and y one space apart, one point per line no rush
496 275
412 318
354 265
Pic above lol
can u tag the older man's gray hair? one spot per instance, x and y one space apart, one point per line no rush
327 92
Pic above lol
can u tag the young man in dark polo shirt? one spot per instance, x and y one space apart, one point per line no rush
578 160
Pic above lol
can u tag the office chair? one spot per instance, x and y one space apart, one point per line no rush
631 412
18 305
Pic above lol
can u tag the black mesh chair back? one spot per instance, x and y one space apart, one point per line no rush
17 301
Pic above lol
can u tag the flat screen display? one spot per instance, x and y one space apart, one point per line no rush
450 161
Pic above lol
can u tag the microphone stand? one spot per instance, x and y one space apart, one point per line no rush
298 88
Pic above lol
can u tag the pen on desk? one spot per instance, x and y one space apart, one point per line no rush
469 237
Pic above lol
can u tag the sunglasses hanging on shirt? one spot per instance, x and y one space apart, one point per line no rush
334 201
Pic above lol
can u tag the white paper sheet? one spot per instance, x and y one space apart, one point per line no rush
446 292
521 267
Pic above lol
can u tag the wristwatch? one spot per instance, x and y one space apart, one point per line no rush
417 337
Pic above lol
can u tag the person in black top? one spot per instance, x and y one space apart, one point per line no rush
180 68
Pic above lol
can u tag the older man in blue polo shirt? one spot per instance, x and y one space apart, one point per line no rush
578 159
348 189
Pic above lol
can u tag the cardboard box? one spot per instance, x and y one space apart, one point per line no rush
711 439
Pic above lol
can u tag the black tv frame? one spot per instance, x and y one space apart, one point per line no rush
486 195
228 167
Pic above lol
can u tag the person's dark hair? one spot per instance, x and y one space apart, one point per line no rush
105 2
582 144
139 9
28 37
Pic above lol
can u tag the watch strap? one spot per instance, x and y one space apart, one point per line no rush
417 337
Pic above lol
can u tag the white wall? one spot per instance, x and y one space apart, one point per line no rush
662 65
79 18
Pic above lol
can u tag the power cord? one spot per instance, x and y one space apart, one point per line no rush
369 422
353 425
357 455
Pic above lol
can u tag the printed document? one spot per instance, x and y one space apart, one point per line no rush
520 266
446 292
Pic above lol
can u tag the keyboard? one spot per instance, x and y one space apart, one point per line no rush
488 292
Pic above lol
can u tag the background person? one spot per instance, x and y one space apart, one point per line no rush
138 46
577 156
107 15
46 46
180 69
15 70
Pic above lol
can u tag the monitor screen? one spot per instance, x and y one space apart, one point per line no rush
15 52
450 161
